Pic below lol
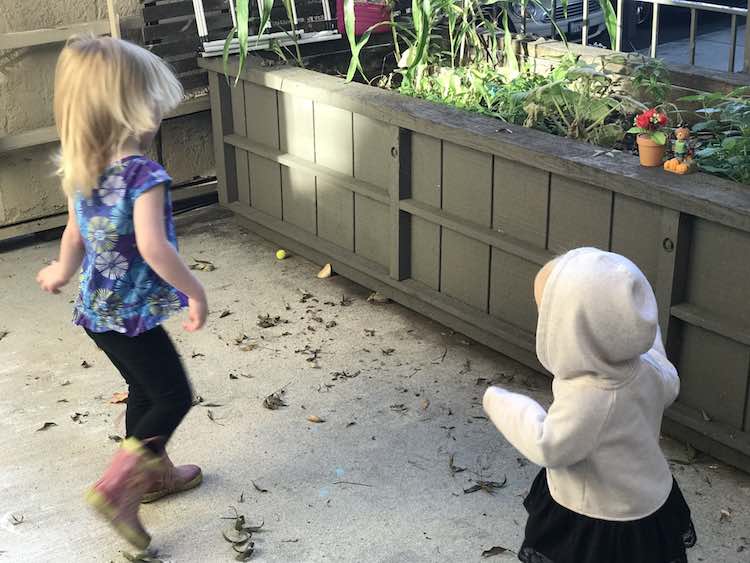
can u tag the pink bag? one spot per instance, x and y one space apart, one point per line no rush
366 14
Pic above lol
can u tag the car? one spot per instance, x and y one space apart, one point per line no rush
567 21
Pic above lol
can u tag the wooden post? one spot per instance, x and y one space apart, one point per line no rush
672 273
222 123
400 251
114 19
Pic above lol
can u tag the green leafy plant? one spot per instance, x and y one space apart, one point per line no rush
724 134
242 32
580 101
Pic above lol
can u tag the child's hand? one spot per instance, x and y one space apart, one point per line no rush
197 313
51 278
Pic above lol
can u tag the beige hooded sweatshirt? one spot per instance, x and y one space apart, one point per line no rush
598 335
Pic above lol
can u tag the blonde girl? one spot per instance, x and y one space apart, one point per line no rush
110 96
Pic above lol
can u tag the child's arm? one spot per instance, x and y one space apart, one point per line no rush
57 274
561 437
151 238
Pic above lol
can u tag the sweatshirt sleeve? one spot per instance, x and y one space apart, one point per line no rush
561 437
665 370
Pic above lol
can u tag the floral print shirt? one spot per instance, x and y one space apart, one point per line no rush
118 290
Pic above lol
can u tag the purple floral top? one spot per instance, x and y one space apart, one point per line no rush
118 290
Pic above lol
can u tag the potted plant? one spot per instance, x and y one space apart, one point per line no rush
652 140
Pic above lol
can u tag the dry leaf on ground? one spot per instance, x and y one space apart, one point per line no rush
326 272
315 419
259 488
377 298
143 557
496 550
118 398
267 321
46 426
453 467
274 401
488 487
202 265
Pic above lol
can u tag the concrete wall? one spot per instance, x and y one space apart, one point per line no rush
28 188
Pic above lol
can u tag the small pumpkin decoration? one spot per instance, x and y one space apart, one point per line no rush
677 166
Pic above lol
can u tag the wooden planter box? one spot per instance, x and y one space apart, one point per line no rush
452 214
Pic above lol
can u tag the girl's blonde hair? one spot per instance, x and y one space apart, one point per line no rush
107 91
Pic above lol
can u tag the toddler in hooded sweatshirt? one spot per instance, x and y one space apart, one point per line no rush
605 493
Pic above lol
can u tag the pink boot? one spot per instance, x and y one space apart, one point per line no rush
172 479
117 495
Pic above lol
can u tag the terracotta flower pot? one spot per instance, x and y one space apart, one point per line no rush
650 153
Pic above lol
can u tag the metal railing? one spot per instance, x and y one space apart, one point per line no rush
623 6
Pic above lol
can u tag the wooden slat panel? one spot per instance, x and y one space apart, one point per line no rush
156 12
467 194
714 375
262 115
33 138
636 233
262 121
373 163
47 36
175 48
265 179
192 81
579 215
739 332
719 271
181 66
185 26
373 142
373 230
512 290
331 176
520 201
426 179
239 123
426 166
297 137
334 149
471 230
467 184
464 269
425 252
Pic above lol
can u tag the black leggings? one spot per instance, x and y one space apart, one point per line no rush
159 391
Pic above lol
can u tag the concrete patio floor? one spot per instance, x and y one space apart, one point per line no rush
373 483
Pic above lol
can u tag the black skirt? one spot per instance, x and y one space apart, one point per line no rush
555 534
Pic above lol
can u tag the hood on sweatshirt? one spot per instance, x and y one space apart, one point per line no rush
597 316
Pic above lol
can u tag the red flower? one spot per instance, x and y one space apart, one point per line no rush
643 121
650 120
